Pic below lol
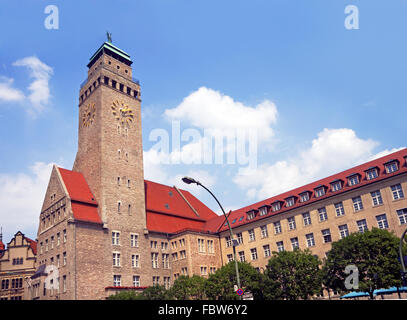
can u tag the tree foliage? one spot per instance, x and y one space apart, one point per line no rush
375 255
292 275
185 288
220 285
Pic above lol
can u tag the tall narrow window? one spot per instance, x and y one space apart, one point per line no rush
323 215
397 192
129 209
376 198
402 214
343 231
291 223
118 206
382 221
339 209
362 225
357 203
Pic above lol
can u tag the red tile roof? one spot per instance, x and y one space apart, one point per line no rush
167 210
218 224
33 245
84 205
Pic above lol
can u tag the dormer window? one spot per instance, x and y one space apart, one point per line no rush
319 191
289 202
392 166
276 206
371 173
263 210
304 196
251 214
336 185
353 179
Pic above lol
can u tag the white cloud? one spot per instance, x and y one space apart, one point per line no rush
21 198
8 93
39 88
332 151
210 109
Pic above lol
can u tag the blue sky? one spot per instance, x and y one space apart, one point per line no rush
334 93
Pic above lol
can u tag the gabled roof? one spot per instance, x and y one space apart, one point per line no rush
218 224
170 210
84 205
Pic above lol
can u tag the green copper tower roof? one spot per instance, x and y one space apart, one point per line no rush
111 50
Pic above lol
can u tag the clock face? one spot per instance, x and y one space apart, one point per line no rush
122 112
88 115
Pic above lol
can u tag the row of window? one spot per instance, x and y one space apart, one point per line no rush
49 219
49 245
117 281
319 191
109 82
17 261
56 261
15 283
362 226
343 231
377 199
53 288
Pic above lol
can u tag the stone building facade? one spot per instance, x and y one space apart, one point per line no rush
103 228
17 265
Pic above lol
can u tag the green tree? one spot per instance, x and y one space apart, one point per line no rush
293 275
185 288
220 285
149 293
126 295
374 253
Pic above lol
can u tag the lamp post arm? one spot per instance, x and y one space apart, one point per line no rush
230 231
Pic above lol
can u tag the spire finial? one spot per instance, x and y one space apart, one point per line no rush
109 36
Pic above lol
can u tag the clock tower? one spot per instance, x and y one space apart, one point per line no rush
110 156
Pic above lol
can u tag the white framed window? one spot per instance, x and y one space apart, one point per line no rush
280 246
239 237
267 252
319 192
116 259
136 281
353 180
134 240
362 225
304 197
323 215
336 186
382 221
371 174
306 218
204 270
343 231
252 236
277 227
241 256
294 243
251 215
326 236
291 223
166 260
115 238
201 245
276 206
392 167
263 211
339 209
167 282
228 241
253 253
357 203
289 202
210 246
376 198
135 260
402 214
397 191
230 257
264 232
310 240
154 260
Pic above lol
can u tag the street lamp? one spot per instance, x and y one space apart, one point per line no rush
189 180
402 258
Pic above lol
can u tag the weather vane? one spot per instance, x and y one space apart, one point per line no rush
109 36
